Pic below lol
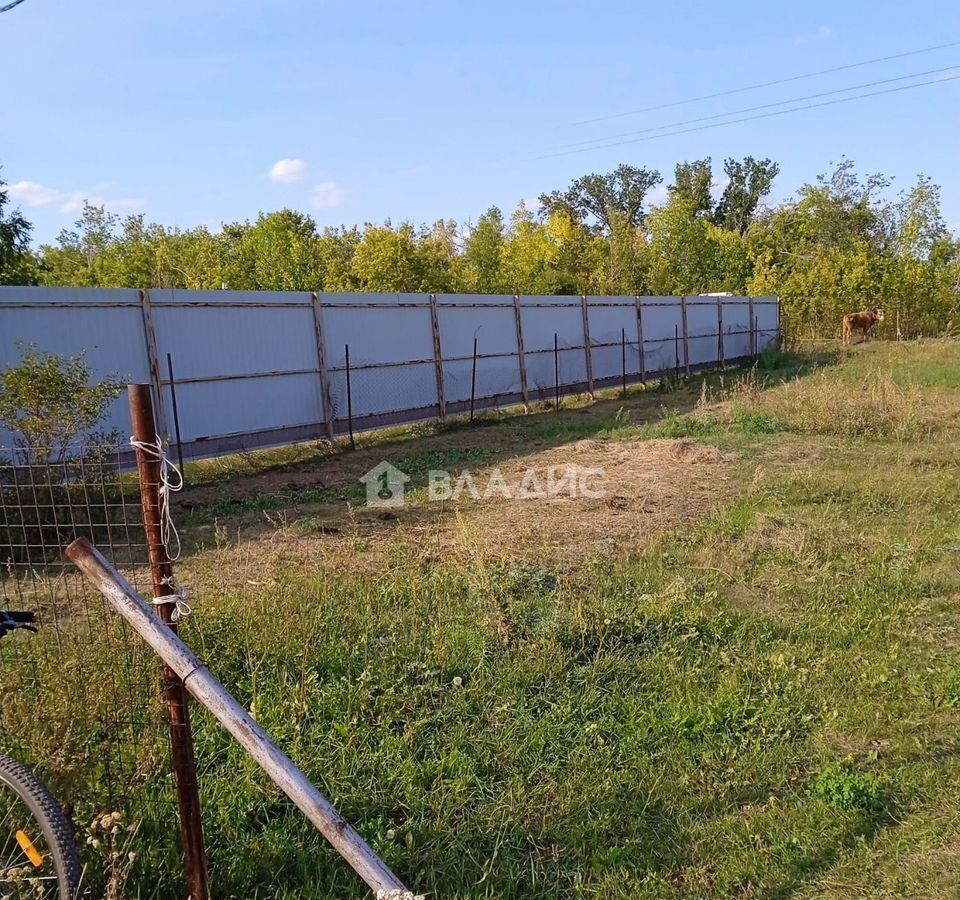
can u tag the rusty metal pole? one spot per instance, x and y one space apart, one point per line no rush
181 736
473 379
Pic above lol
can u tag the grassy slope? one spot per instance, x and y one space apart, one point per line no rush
762 703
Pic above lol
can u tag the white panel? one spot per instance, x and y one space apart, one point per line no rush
736 327
214 408
207 340
378 335
173 297
702 331
495 329
541 323
495 377
767 312
662 324
384 389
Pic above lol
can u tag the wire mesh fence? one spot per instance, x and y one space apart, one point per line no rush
80 696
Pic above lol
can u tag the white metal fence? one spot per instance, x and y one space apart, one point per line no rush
254 369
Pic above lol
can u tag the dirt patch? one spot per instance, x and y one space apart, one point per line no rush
646 487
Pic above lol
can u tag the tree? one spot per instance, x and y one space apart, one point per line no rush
611 199
692 182
278 252
17 264
49 401
483 255
748 183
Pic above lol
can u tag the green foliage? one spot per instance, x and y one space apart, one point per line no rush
49 402
17 263
842 244
845 788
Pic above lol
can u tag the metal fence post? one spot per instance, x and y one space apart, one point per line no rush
587 344
753 346
326 393
676 351
176 412
181 736
686 336
473 379
438 359
353 443
643 361
521 351
556 370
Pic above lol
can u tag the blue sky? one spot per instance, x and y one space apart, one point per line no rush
416 111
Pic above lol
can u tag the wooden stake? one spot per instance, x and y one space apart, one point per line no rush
521 351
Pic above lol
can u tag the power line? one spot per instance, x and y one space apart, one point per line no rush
767 115
854 87
10 6
755 87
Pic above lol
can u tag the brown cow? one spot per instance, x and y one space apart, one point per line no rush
865 322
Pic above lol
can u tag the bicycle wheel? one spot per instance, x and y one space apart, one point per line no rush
38 856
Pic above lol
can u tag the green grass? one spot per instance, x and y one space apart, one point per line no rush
763 703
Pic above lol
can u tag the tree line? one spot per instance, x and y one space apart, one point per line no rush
842 243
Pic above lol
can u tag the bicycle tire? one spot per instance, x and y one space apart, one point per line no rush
56 829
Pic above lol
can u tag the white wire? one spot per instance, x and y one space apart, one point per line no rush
171 480
168 486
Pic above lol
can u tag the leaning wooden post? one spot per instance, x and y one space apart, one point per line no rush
587 344
521 351
181 735
438 359
326 392
211 694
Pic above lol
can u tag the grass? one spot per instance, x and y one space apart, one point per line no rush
760 701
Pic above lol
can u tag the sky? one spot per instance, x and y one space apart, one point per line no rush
211 111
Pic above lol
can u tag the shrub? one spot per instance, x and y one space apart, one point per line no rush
48 402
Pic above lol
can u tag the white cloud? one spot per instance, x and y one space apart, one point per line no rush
35 194
823 33
328 194
287 170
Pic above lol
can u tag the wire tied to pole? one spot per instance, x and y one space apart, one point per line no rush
171 480
178 597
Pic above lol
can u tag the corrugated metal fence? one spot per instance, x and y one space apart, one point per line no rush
254 369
